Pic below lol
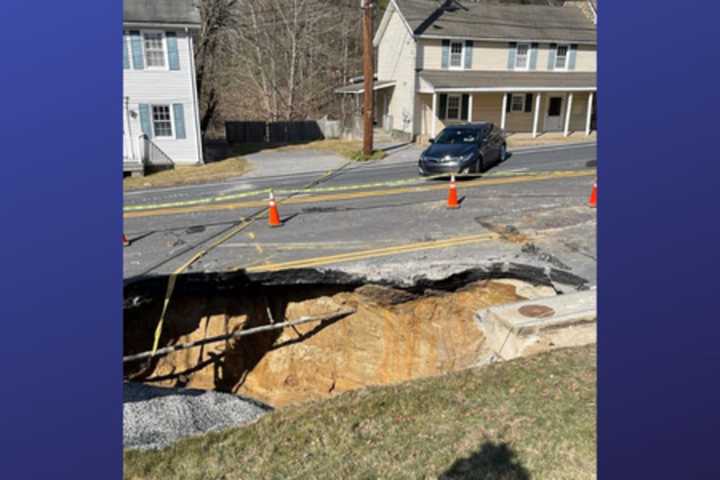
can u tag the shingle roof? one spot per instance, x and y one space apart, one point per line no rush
181 12
509 20
445 79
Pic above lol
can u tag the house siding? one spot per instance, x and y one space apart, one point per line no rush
396 61
168 87
493 56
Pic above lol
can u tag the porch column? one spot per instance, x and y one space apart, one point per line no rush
568 114
470 107
503 112
434 116
589 113
536 114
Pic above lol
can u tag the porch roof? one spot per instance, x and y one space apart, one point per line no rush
506 81
357 88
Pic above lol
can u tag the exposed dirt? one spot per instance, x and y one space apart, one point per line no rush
395 335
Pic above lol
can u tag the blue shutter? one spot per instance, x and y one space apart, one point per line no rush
179 117
551 56
172 47
145 119
533 55
465 111
445 54
571 56
137 50
126 56
512 46
468 54
528 102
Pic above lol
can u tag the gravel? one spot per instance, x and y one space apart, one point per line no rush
155 418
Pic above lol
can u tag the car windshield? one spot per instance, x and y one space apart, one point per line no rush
458 136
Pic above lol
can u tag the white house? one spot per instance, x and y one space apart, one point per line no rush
524 66
160 104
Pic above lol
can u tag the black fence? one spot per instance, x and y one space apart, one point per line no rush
273 132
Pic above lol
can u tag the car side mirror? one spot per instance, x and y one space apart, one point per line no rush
432 140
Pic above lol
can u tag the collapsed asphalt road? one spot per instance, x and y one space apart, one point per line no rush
523 219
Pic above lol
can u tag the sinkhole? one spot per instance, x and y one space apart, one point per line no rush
389 332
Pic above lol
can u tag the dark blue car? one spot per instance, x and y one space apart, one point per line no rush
463 149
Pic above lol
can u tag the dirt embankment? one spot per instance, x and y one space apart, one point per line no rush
394 335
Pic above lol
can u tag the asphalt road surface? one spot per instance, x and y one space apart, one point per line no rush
530 210
399 165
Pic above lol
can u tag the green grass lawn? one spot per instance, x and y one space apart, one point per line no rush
529 418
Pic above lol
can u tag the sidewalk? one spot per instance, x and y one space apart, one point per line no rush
515 140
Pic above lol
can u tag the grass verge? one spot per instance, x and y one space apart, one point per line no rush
186 175
529 418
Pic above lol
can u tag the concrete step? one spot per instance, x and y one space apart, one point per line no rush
533 326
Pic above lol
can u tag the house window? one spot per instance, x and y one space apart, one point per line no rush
522 53
561 55
162 123
456 55
154 49
453 107
517 103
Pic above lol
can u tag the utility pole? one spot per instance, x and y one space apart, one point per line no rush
368 75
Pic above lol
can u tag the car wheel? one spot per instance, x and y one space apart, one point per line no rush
503 153
480 164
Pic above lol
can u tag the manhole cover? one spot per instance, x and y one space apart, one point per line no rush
536 311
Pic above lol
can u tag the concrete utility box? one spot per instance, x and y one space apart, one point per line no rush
538 325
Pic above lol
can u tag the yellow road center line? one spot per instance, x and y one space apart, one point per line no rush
359 195
373 253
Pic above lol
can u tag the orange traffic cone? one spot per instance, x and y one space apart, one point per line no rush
592 201
273 215
126 242
452 194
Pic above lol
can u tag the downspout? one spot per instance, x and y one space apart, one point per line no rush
196 105
129 134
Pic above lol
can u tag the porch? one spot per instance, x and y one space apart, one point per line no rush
518 102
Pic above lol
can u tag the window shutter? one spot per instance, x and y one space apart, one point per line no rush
145 123
508 103
571 56
126 56
528 102
443 106
179 118
445 54
512 46
137 50
551 56
465 107
468 54
172 48
533 55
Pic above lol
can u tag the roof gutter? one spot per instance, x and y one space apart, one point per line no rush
194 26
509 89
506 39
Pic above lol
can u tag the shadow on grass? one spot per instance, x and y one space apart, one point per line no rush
494 461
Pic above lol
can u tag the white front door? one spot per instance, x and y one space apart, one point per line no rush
554 115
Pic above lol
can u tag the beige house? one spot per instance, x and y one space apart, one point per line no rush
526 68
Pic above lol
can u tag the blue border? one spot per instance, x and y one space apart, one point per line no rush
659 326
60 208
